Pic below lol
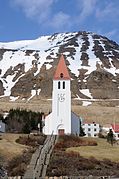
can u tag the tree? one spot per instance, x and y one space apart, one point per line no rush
110 137
19 120
82 133
1 117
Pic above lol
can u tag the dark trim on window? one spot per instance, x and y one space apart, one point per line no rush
58 84
63 84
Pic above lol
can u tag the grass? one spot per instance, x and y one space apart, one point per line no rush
100 114
83 159
16 151
9 148
102 151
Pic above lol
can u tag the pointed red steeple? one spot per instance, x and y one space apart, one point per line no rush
61 72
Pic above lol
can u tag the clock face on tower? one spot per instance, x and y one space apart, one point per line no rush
61 97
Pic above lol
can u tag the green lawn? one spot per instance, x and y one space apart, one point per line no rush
102 151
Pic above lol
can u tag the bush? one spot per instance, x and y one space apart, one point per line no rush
31 140
72 154
67 141
72 164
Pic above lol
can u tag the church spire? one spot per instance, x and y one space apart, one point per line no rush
61 72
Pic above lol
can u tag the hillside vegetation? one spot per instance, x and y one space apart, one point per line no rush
16 151
73 156
100 152
93 113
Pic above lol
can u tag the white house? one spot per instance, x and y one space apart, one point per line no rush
91 129
61 120
115 129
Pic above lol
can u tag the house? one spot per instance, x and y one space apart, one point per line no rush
61 120
115 129
2 127
105 129
91 129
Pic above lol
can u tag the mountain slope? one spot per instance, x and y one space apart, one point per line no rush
27 67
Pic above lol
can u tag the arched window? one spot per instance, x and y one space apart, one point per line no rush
63 84
58 84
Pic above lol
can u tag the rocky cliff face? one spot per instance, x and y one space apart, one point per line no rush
27 67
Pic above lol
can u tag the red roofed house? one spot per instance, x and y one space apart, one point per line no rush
61 120
115 129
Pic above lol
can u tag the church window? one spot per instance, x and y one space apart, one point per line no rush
63 84
61 75
58 84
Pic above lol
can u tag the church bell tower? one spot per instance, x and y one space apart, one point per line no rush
61 100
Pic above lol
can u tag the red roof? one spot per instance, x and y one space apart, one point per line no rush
61 72
115 127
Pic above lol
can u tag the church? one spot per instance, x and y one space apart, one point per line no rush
61 120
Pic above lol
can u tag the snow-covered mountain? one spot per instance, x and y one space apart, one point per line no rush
27 67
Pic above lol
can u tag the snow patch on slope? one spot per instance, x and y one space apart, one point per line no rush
33 93
8 84
86 103
86 92
12 98
45 46
90 51
76 62
16 44
92 58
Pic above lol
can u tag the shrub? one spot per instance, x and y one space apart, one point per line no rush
108 162
31 140
72 154
67 141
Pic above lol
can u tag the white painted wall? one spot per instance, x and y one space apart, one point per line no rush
47 129
116 134
61 108
60 118
91 129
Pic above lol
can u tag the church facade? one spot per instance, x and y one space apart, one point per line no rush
61 120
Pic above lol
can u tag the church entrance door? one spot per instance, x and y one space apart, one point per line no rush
60 131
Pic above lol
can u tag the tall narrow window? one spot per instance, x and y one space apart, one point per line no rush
63 84
58 84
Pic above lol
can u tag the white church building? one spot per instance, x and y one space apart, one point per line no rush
61 120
